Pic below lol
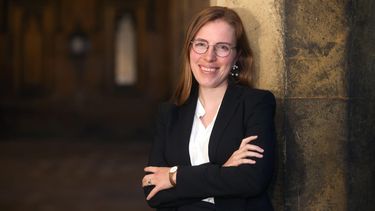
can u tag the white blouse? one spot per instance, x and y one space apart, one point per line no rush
199 140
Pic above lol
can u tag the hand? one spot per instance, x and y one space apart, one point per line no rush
159 177
244 152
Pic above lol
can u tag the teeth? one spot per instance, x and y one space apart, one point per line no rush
208 69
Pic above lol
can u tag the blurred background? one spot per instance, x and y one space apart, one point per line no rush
80 81
88 68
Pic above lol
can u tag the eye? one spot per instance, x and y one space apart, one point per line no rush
200 44
222 47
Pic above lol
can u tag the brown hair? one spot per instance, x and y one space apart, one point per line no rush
245 56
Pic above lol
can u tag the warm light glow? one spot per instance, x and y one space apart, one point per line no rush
125 53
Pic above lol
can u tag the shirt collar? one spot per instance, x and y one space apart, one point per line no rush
200 112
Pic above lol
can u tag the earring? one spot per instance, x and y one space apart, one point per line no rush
235 71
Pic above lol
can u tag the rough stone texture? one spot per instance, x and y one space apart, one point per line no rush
316 104
315 150
316 39
361 147
325 94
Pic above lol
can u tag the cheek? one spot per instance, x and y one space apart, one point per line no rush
193 57
231 62
228 64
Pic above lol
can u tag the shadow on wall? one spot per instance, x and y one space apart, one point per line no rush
361 146
276 189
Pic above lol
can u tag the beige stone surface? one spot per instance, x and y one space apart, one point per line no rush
316 153
317 43
264 28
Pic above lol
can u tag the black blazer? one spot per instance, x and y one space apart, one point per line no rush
243 112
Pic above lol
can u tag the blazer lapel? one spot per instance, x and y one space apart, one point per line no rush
186 116
228 107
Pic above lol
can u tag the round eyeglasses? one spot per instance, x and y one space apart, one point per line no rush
220 49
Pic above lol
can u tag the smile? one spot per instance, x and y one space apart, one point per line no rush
208 69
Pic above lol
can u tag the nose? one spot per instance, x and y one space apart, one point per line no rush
210 55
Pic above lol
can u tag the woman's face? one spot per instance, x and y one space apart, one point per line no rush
209 69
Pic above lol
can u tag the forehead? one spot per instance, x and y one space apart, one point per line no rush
216 31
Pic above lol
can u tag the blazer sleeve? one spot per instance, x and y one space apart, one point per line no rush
245 180
166 198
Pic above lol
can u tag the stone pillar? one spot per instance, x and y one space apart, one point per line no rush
316 105
304 57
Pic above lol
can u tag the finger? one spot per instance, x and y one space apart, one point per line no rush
251 147
239 162
254 154
153 192
151 169
249 154
146 181
145 184
247 140
246 161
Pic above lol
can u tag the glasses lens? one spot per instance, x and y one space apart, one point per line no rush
222 50
200 47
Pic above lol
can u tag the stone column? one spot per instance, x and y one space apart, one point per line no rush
301 49
316 105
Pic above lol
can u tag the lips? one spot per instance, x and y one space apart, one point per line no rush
208 69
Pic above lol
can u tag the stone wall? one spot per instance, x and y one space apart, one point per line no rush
318 59
316 105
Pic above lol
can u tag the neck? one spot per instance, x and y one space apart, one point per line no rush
212 96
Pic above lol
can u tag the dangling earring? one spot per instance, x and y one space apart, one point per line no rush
235 71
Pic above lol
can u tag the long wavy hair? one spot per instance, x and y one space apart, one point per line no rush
245 56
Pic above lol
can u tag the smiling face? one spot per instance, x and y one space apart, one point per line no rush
210 70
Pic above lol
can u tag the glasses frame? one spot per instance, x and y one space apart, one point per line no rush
214 45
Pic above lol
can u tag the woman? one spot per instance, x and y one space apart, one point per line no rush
214 146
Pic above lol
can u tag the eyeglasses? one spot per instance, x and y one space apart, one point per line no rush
220 49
